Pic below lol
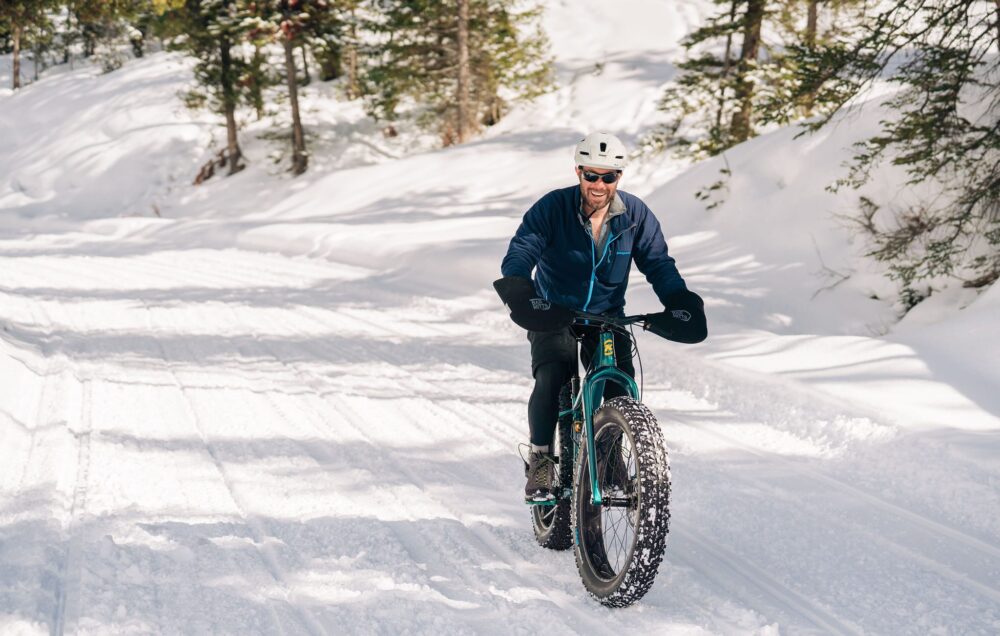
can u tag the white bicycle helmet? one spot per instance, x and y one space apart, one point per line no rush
601 150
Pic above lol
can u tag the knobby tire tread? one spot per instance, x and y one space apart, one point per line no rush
653 471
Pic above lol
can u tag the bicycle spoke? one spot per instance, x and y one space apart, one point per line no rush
616 472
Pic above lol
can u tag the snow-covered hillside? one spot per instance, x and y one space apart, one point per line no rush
277 405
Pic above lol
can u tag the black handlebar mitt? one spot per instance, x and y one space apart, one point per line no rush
683 319
529 311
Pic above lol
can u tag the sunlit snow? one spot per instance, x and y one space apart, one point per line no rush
277 405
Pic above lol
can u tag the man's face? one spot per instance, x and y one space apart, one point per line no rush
596 194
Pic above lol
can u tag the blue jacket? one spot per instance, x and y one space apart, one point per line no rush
571 270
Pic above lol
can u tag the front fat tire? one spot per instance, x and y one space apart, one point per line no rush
635 577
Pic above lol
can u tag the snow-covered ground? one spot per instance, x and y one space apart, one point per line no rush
276 405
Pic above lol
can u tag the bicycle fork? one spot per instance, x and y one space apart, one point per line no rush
591 395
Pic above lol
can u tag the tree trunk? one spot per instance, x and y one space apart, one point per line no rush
725 69
740 128
306 78
36 55
229 106
811 20
463 128
330 63
299 158
997 2
16 71
810 41
89 40
351 55
353 89
256 92
138 45
66 41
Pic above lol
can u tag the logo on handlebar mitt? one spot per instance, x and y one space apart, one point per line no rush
540 304
681 314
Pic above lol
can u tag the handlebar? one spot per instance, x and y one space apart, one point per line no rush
581 317
685 322
678 325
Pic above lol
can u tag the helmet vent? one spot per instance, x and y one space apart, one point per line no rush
602 150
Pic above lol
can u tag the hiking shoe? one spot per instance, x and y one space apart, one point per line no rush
540 471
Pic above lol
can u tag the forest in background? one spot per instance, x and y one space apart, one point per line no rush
455 68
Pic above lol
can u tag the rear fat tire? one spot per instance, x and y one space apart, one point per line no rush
552 523
635 578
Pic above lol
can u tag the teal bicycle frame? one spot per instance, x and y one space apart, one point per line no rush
589 397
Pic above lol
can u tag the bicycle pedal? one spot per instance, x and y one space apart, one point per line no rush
541 499
544 502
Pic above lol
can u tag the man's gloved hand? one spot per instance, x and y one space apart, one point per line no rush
529 311
683 318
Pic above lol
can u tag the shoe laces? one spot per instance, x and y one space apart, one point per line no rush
541 471
521 448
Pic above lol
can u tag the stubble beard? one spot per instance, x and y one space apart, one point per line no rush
592 206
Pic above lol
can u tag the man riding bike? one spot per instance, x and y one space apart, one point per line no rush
581 242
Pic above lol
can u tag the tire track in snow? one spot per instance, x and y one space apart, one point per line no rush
69 564
924 544
456 596
334 352
763 386
483 541
564 599
419 381
315 383
267 559
917 523
427 543
49 378
755 578
70 568
475 541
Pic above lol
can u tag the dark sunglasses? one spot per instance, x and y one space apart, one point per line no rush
607 177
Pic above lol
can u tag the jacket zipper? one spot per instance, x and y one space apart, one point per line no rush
594 266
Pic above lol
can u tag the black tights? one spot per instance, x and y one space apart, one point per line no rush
543 406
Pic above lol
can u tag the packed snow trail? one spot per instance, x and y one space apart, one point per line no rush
199 446
292 406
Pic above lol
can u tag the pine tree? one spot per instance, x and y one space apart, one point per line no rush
945 133
463 124
350 43
23 18
734 81
806 26
256 79
460 62
709 105
743 87
289 33
212 31
288 22
334 36
104 25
